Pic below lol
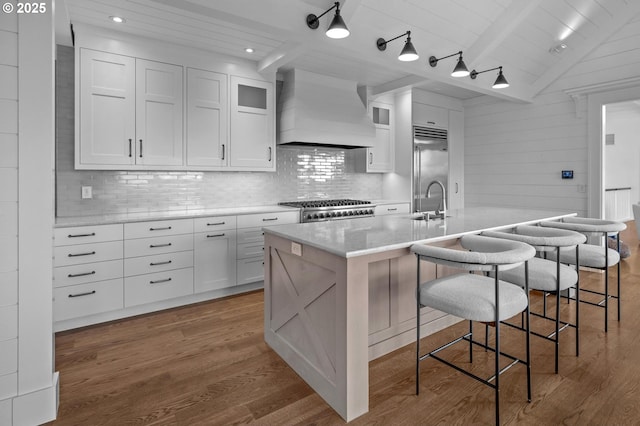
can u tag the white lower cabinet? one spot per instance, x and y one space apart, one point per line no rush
87 273
120 270
86 299
215 260
158 286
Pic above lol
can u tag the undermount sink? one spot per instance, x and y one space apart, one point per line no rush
428 216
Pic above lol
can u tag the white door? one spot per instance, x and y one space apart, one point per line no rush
207 139
215 260
252 124
158 113
107 109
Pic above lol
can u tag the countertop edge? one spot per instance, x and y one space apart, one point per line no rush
351 254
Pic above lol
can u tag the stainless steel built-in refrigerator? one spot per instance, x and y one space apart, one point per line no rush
430 163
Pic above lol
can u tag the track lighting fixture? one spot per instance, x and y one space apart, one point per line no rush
408 52
459 71
337 28
500 83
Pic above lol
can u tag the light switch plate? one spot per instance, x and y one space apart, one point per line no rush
87 192
296 249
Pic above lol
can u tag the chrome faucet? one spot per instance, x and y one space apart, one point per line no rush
442 213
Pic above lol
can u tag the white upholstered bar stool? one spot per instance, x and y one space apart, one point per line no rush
475 298
594 256
547 276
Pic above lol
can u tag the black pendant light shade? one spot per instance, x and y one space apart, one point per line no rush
337 28
460 69
500 83
408 52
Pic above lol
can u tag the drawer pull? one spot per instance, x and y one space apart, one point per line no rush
88 293
93 234
83 274
81 254
160 263
393 209
160 281
159 245
216 224
269 219
215 235
166 228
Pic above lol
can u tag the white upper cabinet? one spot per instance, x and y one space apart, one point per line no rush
130 112
429 115
252 124
380 157
456 159
158 113
107 109
207 106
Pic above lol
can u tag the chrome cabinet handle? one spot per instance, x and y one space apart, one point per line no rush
216 235
160 281
166 228
216 224
129 148
371 158
81 254
82 274
159 245
88 293
223 152
456 187
93 234
269 219
393 209
140 148
160 263
269 154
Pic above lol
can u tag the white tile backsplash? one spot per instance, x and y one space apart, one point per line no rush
8 385
8 322
8 288
301 172
8 357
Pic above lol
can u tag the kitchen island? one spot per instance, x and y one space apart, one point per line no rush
341 293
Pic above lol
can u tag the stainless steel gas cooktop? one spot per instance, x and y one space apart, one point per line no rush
320 210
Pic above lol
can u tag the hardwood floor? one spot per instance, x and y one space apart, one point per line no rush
208 364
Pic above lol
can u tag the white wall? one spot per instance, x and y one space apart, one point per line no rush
514 153
27 382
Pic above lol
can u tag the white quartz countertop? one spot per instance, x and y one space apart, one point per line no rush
162 215
358 237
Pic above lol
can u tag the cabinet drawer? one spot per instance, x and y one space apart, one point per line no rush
250 270
87 299
87 272
158 228
157 263
159 286
87 253
266 219
246 250
250 235
87 234
217 223
387 209
158 245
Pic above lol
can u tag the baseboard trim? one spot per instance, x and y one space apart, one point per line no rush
37 407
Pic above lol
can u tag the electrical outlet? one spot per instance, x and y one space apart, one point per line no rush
296 249
87 192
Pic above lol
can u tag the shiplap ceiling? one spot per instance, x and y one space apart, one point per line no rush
517 34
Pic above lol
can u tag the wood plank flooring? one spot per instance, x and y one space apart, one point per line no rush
207 364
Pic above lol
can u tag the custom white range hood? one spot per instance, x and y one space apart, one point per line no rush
316 109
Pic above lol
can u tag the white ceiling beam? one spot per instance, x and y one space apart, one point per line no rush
620 18
500 29
401 83
281 56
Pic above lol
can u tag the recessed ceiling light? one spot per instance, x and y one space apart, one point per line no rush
117 19
248 49
558 49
